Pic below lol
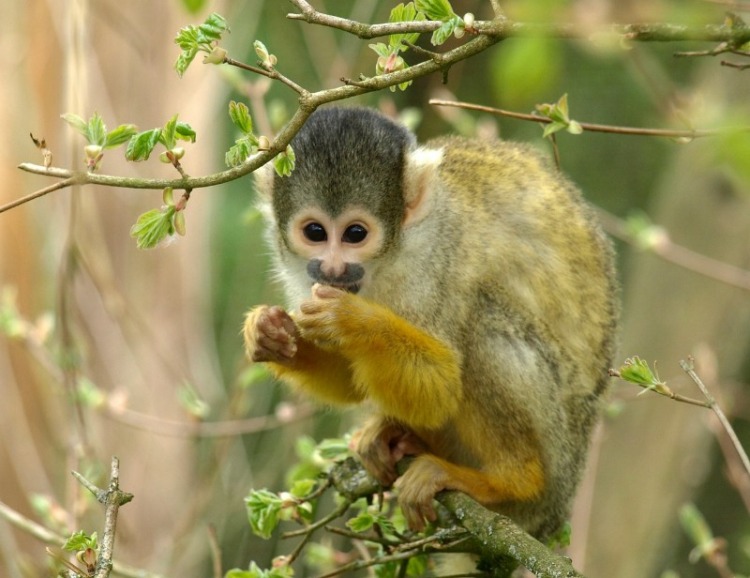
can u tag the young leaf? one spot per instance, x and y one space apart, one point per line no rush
97 133
240 115
436 9
183 131
142 145
361 523
284 163
80 541
445 31
238 153
120 135
152 227
213 27
263 509
192 39
168 134
77 123
404 13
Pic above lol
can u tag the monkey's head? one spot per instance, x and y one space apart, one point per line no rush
345 204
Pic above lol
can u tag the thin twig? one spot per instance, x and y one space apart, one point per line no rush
40 193
679 255
48 536
592 127
111 498
270 73
688 367
338 512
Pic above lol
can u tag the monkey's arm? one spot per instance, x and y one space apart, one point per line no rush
412 376
271 336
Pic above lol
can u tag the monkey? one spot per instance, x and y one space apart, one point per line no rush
462 290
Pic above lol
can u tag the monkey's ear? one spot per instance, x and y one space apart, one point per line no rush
264 181
421 181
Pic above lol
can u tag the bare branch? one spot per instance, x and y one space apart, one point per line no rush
688 367
592 127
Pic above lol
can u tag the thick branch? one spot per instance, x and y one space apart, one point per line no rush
501 27
495 536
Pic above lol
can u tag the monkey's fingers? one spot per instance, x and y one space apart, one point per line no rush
417 488
270 335
326 291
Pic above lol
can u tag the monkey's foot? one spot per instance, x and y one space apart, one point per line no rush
382 443
417 488
270 335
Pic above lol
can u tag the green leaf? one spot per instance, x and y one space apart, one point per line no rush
302 488
213 27
79 541
239 152
97 133
183 131
169 133
77 123
553 127
119 135
184 60
361 523
263 509
381 49
194 6
284 163
192 39
152 227
436 9
240 115
333 449
142 144
404 13
446 30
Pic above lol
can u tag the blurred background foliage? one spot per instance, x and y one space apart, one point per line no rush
106 349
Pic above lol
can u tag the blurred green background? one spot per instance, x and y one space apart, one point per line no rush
152 337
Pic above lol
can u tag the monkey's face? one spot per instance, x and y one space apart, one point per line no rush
337 248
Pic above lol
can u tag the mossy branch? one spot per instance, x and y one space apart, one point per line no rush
494 537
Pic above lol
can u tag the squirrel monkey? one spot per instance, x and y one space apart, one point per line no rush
462 289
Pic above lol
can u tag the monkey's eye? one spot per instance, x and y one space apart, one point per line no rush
315 232
354 234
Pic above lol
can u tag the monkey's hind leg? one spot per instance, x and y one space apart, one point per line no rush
429 474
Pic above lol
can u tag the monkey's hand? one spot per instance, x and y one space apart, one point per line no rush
270 335
382 443
322 318
413 376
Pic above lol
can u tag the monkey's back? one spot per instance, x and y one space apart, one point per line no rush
542 287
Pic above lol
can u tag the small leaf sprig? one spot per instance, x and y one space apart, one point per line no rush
156 225
202 38
389 58
453 24
248 143
560 117
95 132
141 145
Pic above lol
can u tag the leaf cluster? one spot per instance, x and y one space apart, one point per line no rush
141 145
202 38
154 226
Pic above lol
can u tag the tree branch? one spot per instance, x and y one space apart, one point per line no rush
111 498
592 127
494 536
